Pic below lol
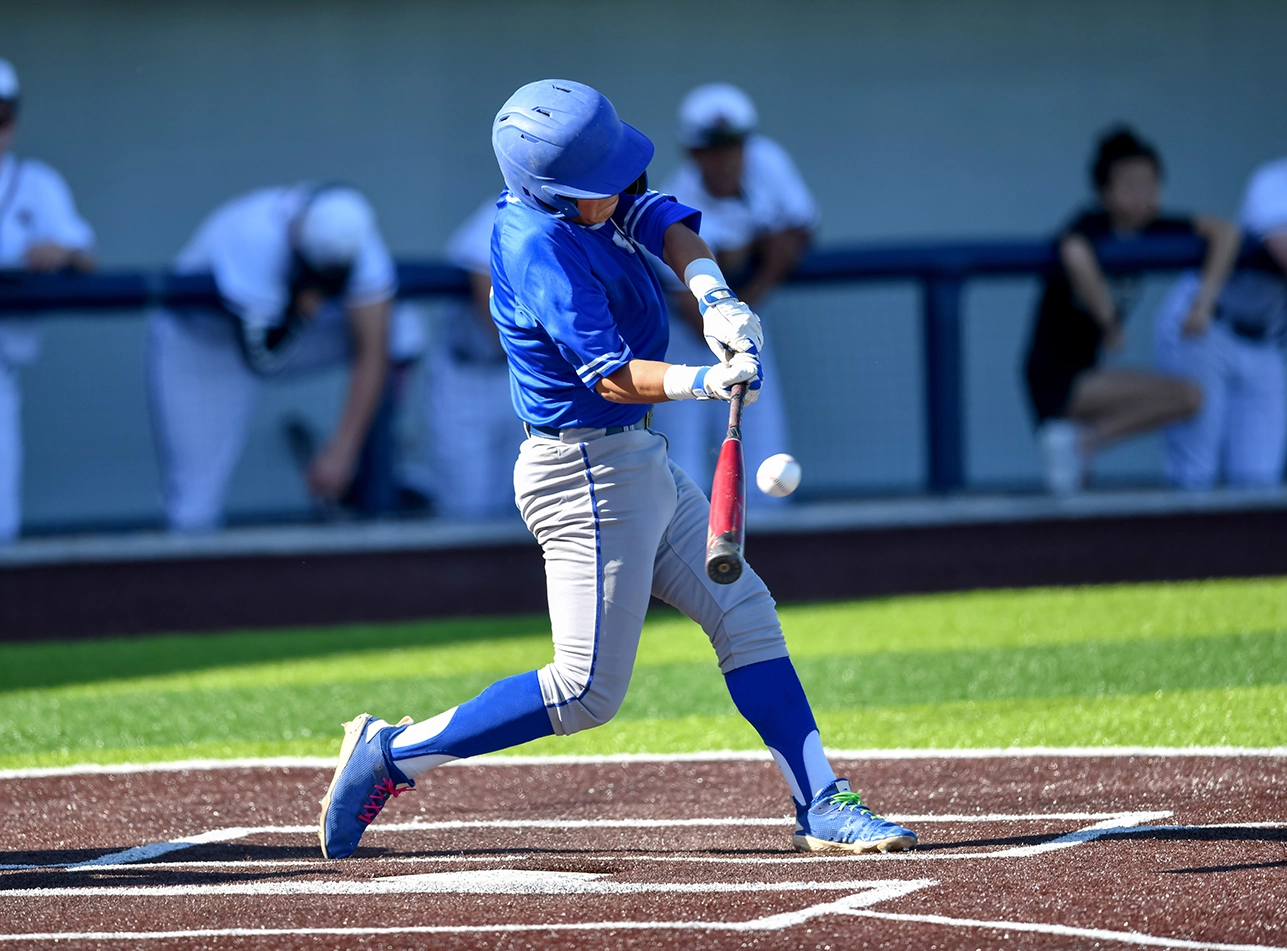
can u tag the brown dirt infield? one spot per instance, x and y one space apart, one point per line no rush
1031 851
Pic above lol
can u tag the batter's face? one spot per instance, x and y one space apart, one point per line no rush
595 211
1133 194
721 168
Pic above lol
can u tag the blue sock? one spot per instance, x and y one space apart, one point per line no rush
509 712
771 697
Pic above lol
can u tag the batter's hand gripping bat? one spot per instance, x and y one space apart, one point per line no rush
726 531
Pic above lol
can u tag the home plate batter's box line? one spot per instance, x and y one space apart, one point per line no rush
854 904
323 762
775 860
1109 823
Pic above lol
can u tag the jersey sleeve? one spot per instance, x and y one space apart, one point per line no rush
556 286
57 220
374 278
645 218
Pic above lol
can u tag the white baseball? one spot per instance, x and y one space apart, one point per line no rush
778 475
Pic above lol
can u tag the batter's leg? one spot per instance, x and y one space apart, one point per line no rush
598 509
742 623
10 453
202 397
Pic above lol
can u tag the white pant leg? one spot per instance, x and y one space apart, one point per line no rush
10 453
1257 414
741 618
599 510
202 398
1193 446
474 437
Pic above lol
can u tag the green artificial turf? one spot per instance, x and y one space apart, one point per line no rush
1176 664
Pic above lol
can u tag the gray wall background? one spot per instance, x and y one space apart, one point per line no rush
910 118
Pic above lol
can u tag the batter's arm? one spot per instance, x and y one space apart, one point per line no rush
681 246
332 469
652 381
639 381
1224 241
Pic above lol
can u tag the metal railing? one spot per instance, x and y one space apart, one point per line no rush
940 269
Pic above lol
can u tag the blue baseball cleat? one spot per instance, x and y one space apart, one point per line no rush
837 821
365 779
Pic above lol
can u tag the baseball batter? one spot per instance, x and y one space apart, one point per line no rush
757 216
40 230
583 321
306 284
1233 352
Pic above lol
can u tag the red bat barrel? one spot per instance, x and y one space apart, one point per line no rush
726 531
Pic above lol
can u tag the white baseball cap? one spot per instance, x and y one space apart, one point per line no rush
1264 204
8 80
714 112
334 227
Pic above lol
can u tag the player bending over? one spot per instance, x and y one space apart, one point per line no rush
583 321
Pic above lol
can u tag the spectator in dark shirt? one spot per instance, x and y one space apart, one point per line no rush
1080 407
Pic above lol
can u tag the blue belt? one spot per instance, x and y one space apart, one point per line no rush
585 434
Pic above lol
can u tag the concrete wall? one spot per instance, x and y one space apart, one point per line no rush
910 119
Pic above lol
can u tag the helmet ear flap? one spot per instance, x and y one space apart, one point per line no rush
558 205
639 186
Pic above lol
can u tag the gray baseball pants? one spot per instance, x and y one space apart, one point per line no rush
618 522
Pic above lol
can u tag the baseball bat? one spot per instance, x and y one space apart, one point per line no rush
726 531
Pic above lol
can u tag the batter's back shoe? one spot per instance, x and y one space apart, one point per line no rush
837 821
365 779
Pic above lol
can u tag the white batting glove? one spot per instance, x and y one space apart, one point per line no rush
715 382
728 324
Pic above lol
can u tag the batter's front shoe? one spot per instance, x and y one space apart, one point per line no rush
364 781
837 821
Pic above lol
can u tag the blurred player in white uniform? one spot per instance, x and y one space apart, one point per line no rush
757 216
1235 356
40 230
474 433
306 284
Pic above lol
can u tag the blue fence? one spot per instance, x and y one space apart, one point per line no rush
940 270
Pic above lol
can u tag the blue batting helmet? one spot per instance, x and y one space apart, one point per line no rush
557 140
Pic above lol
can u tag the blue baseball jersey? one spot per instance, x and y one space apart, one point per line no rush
576 303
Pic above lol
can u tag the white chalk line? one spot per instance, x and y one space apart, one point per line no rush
477 882
139 853
873 892
1096 934
1110 822
324 762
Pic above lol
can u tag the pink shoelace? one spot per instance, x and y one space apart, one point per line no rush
384 790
